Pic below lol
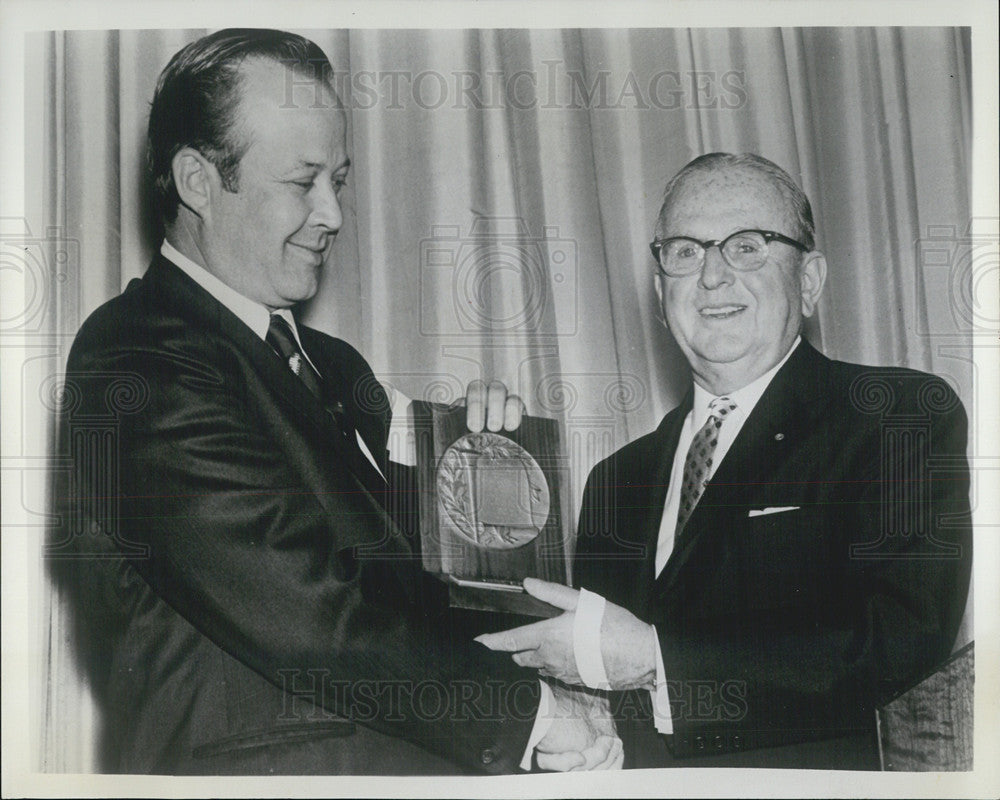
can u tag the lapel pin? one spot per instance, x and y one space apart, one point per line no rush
778 437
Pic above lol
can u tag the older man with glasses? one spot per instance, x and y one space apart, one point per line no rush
781 554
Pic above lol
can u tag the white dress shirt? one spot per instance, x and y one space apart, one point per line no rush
746 399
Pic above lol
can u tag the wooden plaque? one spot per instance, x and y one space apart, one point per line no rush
493 508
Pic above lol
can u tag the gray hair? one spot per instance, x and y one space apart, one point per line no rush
795 198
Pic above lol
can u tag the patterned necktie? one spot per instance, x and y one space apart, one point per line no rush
281 338
698 464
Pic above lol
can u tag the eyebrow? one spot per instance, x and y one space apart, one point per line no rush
303 164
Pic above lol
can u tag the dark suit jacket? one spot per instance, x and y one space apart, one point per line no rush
268 615
791 626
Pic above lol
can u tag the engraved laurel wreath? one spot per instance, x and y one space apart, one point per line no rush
455 491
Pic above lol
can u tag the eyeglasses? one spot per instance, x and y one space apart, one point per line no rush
744 250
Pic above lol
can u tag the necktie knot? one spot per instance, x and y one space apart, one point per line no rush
282 340
721 406
280 336
718 410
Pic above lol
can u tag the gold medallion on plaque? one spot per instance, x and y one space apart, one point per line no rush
493 491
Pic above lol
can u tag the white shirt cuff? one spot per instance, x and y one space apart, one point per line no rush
661 702
543 721
587 640
402 442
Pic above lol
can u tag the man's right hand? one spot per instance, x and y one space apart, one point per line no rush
582 735
491 407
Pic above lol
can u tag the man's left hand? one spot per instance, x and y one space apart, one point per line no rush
628 645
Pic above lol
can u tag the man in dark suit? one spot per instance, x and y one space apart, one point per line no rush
791 546
245 585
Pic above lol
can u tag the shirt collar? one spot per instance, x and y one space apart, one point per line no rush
745 397
254 315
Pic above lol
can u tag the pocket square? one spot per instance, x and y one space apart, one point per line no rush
760 512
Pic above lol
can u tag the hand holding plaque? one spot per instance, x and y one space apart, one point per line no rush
492 508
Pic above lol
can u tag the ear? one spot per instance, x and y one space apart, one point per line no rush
658 288
812 276
196 179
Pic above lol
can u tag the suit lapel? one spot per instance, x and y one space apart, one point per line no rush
292 394
777 421
665 445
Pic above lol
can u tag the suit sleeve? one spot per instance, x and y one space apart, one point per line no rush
892 609
242 547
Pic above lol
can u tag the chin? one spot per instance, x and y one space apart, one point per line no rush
303 288
308 294
718 350
720 356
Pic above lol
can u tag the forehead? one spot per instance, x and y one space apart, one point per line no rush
710 204
283 109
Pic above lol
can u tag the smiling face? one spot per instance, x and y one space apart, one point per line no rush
269 238
734 326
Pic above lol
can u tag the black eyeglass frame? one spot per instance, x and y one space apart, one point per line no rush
656 247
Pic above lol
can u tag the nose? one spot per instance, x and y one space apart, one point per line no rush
326 211
715 272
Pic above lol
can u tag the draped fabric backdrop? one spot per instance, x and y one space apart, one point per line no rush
503 191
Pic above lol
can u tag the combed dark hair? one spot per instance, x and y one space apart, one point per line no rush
197 98
796 199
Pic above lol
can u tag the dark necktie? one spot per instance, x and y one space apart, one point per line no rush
698 464
281 338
